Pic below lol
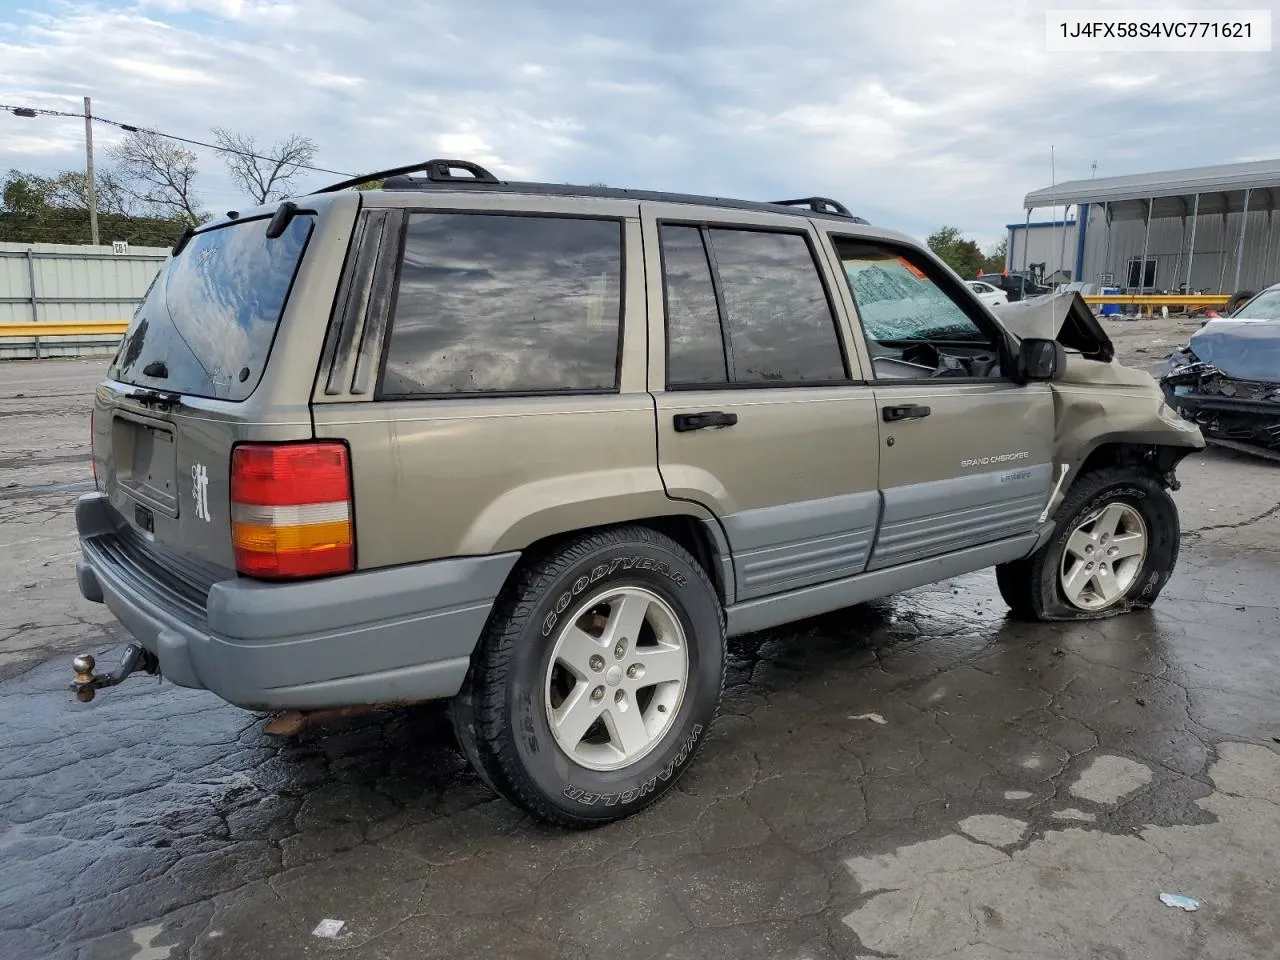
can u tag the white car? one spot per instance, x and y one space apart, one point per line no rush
991 296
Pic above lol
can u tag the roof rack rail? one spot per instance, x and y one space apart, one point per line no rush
439 171
818 205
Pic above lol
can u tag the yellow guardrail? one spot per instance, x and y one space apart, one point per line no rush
1149 301
62 329
1163 299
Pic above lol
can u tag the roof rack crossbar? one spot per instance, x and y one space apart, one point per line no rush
818 205
436 170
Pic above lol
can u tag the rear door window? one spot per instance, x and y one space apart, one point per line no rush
753 312
499 304
778 319
695 342
206 325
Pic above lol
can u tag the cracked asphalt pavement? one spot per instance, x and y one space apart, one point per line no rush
919 777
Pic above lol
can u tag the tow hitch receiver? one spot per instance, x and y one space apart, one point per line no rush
87 683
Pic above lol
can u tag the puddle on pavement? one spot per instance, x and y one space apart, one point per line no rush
143 937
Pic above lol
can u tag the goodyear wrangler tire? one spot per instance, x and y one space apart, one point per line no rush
1113 550
597 679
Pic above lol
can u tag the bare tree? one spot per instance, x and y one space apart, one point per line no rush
265 174
159 174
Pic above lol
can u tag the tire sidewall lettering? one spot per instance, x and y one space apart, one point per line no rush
588 799
598 573
1098 503
599 795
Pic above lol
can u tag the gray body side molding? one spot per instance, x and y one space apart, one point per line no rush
940 516
798 544
811 601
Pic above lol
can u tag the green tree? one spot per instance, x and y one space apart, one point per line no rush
55 209
958 252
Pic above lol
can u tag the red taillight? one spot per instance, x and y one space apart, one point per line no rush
291 509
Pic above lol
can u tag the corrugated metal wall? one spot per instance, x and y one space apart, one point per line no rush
1054 246
69 283
1214 264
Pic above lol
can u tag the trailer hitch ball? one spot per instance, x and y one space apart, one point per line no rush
84 666
87 681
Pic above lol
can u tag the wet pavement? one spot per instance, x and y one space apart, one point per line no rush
920 777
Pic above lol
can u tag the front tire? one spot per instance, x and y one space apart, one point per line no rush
597 679
1114 549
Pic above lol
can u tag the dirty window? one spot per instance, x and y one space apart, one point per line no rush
695 346
210 316
492 303
778 322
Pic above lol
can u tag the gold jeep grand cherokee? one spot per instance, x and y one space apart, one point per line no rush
539 449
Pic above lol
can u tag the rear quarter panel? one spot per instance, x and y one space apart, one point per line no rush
205 430
476 475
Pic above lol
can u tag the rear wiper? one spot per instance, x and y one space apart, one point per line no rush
157 370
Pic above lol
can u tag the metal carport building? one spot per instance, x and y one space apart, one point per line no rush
1204 229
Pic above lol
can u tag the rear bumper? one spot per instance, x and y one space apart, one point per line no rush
381 636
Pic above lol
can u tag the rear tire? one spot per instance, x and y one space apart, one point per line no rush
597 679
1091 568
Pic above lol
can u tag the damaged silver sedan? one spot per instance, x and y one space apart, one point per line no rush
1226 380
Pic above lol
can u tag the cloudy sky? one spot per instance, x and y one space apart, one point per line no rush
914 113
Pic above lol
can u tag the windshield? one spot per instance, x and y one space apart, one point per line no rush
1265 306
898 302
209 318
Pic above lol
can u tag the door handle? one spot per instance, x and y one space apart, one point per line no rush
910 411
685 422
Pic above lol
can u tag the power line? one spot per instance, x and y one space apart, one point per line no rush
130 128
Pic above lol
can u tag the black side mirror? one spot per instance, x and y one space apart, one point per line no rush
1040 359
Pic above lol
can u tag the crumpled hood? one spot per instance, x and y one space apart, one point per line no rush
1064 317
1240 348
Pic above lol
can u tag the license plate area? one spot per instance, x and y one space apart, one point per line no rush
145 462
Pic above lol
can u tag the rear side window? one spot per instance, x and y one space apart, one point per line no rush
492 303
695 345
756 312
206 325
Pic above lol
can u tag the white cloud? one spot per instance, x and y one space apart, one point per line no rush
913 113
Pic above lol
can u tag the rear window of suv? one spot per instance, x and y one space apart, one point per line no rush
210 316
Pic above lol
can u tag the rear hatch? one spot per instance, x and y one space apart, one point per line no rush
210 360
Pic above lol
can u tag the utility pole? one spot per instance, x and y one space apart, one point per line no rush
92 191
